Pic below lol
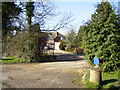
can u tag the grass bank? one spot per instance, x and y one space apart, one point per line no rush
13 59
109 80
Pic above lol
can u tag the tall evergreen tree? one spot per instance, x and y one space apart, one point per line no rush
9 12
118 12
102 37
70 40
78 38
29 11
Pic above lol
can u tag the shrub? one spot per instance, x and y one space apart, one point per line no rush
26 45
79 51
70 47
110 66
62 45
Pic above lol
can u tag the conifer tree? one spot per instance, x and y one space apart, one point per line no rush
29 12
9 12
102 37
78 38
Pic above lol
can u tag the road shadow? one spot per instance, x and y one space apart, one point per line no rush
69 57
62 58
105 82
6 59
69 60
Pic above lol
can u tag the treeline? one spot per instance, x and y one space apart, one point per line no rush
25 43
72 42
100 37
24 26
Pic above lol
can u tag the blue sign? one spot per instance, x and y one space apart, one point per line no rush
96 60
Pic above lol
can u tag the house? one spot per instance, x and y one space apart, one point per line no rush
53 41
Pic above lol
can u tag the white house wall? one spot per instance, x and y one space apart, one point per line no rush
57 45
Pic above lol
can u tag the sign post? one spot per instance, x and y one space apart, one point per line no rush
95 72
96 61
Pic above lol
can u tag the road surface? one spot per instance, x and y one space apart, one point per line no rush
45 75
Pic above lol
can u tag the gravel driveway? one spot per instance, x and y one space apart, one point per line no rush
42 75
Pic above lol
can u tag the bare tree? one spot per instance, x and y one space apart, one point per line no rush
63 21
44 12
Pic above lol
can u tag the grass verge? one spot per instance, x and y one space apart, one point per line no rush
13 59
109 80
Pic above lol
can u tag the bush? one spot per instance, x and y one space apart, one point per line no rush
110 66
70 47
62 45
79 51
26 45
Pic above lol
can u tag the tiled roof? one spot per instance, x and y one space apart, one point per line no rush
53 35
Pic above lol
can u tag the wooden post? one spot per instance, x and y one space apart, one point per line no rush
95 75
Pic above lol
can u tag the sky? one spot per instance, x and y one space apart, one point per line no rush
81 11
